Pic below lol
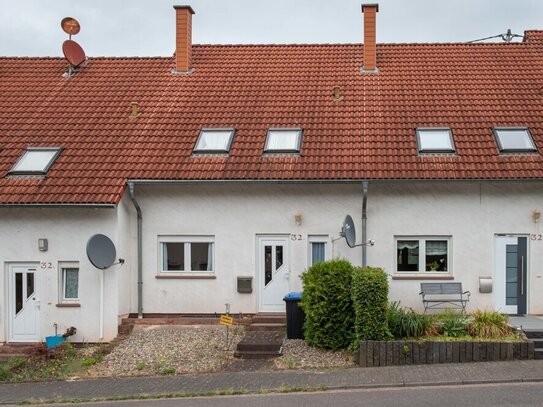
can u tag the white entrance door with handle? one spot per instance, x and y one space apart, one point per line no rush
24 304
273 272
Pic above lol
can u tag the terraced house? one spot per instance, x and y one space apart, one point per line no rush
222 172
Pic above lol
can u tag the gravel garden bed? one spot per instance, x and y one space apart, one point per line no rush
169 350
298 355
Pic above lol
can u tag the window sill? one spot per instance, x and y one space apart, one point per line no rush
186 276
422 277
69 305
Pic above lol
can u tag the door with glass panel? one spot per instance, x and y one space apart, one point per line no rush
273 272
23 304
511 274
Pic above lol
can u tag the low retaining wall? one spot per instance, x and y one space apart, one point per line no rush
390 353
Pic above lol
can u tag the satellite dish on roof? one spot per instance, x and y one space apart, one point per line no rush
348 231
73 53
101 252
70 25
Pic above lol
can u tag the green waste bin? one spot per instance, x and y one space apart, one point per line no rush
295 316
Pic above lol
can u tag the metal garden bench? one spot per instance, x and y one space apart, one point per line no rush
436 295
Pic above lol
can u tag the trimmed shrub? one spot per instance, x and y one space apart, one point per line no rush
327 303
406 323
489 324
370 301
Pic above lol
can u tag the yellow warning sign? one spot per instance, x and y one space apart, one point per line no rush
226 320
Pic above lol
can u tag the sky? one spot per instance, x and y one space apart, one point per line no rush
147 27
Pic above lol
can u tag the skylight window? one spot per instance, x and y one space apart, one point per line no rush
514 139
435 140
36 161
283 141
214 141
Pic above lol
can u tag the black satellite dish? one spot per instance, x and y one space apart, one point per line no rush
101 251
349 232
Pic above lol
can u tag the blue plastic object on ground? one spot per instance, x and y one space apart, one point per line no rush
294 296
54 341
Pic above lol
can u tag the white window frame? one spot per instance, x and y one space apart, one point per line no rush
296 150
186 240
422 255
204 151
497 130
62 266
421 130
29 150
317 239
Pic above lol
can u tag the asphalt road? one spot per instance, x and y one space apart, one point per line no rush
494 395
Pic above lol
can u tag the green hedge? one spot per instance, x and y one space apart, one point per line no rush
328 306
370 300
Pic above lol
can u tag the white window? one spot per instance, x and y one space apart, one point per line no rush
514 139
318 249
415 254
214 141
186 254
36 161
435 140
283 141
69 282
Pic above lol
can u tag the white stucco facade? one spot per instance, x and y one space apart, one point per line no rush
234 216
67 231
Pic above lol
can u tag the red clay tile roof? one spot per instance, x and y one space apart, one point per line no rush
367 135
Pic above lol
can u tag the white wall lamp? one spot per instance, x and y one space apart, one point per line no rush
298 218
43 244
536 215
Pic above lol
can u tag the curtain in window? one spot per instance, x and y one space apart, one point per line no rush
436 247
71 283
408 244
317 252
282 140
210 257
164 256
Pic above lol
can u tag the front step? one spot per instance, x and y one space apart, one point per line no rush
260 345
269 319
267 327
537 338
16 350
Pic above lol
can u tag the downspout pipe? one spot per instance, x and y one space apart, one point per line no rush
139 237
365 185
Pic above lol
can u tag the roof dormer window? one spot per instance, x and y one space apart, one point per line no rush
435 140
283 141
36 161
514 140
214 141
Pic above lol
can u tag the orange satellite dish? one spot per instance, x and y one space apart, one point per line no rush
70 25
73 53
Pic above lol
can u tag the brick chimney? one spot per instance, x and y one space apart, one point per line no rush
370 48
183 39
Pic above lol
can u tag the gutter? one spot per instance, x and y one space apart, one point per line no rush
328 181
59 205
365 185
139 237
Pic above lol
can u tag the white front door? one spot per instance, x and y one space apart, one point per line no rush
24 304
273 272
511 274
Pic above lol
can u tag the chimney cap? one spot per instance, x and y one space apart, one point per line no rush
189 8
372 5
